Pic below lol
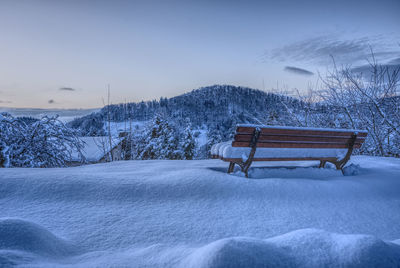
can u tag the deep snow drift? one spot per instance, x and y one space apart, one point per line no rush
193 214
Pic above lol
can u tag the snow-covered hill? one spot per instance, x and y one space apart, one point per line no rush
193 214
218 107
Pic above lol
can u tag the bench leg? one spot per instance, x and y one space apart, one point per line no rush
245 167
246 170
231 167
322 164
340 164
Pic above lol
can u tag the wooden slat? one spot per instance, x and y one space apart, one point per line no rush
284 159
295 145
270 138
348 136
250 130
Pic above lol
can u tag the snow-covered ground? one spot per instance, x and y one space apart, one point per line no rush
124 126
193 214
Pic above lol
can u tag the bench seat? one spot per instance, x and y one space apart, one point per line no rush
225 150
281 143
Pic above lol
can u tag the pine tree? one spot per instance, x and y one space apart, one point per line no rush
160 141
213 137
188 143
149 141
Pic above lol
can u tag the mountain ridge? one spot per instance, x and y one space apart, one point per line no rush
216 106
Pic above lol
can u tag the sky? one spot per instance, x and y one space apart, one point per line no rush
64 54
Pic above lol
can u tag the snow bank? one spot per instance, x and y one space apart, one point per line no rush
306 248
301 248
317 248
351 170
17 234
238 252
191 213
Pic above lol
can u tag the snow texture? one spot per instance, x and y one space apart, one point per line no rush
16 234
192 214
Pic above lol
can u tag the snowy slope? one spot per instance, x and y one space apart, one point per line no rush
118 127
193 214
94 148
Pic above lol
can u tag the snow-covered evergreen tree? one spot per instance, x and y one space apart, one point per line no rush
188 142
213 137
159 141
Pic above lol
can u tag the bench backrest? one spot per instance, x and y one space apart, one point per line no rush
290 137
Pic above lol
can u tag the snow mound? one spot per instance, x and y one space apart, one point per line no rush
17 234
352 170
301 248
317 248
238 252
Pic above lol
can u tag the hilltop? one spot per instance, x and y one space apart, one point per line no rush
218 107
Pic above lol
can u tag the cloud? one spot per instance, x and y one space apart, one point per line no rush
51 101
320 50
366 69
1 101
395 61
297 70
67 89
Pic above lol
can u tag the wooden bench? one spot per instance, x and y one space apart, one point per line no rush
276 143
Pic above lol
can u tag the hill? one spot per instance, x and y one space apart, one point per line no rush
218 107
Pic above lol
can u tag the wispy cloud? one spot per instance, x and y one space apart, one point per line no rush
367 69
67 89
320 50
297 70
5 101
394 61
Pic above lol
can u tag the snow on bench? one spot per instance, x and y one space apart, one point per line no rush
280 143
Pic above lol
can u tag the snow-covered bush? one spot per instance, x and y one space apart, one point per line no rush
40 143
368 101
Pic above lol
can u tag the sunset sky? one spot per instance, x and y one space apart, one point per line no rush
63 54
